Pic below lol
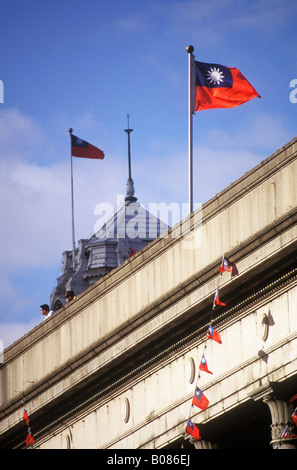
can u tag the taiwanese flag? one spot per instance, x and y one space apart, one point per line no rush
25 417
200 399
213 334
224 266
294 417
81 148
192 430
218 86
30 438
216 300
288 433
203 365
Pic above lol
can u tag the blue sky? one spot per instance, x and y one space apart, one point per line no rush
85 65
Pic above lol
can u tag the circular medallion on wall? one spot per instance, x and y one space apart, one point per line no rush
264 327
125 410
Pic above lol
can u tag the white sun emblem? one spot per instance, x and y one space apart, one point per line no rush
215 76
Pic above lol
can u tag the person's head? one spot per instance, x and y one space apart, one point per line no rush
44 309
69 294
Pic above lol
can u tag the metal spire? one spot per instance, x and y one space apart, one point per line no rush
130 183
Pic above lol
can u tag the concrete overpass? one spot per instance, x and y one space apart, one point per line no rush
117 368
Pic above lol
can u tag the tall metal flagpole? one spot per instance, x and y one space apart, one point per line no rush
72 205
190 50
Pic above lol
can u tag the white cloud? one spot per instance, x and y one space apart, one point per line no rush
12 331
19 134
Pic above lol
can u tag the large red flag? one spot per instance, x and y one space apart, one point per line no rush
218 86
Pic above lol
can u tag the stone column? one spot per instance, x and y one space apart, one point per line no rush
281 416
201 443
273 395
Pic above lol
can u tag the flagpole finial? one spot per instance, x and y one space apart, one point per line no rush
70 130
190 49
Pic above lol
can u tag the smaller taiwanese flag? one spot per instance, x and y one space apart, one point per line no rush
213 334
200 399
216 300
192 430
81 148
203 365
218 86
30 438
225 266
288 433
25 417
294 417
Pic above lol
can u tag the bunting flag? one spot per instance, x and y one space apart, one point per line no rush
203 365
25 417
213 334
81 148
216 300
30 438
192 430
218 86
131 252
294 417
225 266
200 399
287 434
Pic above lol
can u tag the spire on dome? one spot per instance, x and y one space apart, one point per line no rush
130 183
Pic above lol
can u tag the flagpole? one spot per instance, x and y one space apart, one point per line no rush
190 50
72 205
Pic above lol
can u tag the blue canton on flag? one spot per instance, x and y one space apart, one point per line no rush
213 75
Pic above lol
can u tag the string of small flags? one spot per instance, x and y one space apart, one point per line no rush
199 399
29 438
